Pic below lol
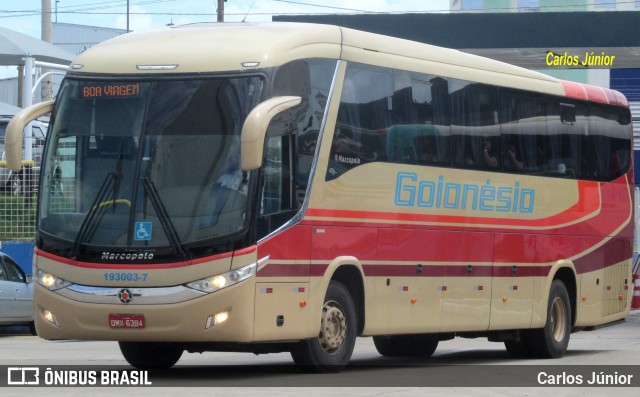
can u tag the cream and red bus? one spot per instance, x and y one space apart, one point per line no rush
290 187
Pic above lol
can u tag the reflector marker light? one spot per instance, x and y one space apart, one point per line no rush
156 67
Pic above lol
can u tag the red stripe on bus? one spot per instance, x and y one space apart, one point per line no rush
574 90
382 270
245 251
621 100
595 94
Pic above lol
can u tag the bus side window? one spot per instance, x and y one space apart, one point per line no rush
608 142
474 125
365 113
567 139
277 203
524 132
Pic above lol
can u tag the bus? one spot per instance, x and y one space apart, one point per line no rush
283 187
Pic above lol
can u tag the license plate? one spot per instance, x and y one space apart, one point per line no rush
126 320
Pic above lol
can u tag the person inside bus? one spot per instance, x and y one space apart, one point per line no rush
512 159
490 159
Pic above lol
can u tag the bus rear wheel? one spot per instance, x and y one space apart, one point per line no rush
405 345
520 347
552 340
332 349
151 355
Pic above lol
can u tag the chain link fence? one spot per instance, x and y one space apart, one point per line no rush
18 195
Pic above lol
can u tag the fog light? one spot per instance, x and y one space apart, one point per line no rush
216 319
49 317
220 318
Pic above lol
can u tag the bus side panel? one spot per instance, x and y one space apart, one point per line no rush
282 287
605 283
410 274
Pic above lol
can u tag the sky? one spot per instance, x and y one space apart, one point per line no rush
25 15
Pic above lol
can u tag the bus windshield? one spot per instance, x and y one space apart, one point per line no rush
147 164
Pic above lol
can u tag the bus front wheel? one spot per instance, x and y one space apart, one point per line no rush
552 340
151 355
332 349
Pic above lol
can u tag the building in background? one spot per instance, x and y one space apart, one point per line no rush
543 5
625 80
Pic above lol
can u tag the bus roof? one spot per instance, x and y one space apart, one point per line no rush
216 47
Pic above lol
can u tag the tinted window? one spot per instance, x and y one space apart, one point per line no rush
567 127
413 118
474 125
402 118
609 142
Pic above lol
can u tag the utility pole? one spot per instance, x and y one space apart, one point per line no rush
127 16
221 10
47 82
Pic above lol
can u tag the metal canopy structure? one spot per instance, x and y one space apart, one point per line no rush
8 110
15 46
19 49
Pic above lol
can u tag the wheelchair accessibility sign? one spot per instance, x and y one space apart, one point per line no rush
143 231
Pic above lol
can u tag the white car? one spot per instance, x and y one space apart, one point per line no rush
16 294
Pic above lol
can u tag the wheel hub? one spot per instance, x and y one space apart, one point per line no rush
558 319
333 330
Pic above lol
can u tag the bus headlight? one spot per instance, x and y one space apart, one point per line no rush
220 281
49 281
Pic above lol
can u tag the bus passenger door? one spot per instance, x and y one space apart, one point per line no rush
512 292
467 282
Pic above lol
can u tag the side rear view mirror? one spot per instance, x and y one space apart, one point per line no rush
255 126
13 134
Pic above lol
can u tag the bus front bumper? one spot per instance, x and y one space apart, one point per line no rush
223 316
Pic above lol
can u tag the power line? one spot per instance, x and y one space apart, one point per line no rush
329 7
82 8
95 9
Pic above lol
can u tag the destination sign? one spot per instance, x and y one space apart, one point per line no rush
111 90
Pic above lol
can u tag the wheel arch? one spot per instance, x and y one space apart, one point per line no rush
564 271
348 271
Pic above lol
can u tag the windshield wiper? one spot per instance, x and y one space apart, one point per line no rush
112 178
163 216
109 179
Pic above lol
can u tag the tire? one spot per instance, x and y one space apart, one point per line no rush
552 340
151 355
332 349
32 328
519 348
405 345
